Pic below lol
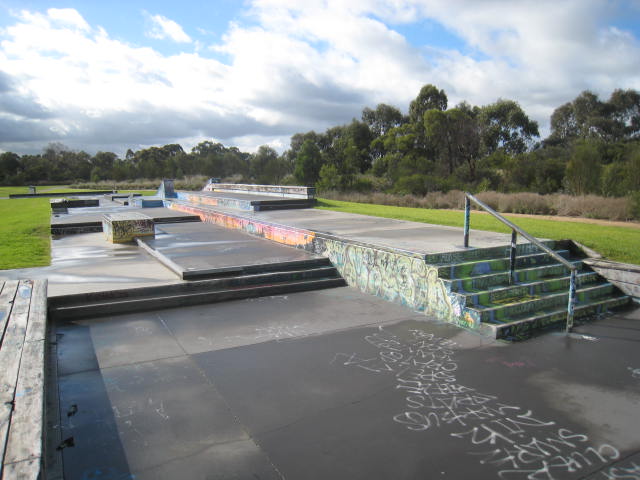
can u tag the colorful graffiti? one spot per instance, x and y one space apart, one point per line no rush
394 276
277 233
121 228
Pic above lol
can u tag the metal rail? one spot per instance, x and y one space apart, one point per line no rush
515 230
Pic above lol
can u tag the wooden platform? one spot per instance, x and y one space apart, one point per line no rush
23 314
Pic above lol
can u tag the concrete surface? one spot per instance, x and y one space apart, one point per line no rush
88 263
94 214
342 385
203 247
411 236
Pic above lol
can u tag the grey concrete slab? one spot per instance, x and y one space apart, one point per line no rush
128 339
249 196
364 389
202 247
94 214
245 322
414 404
91 444
412 236
88 263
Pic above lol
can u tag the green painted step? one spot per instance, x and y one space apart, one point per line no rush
507 312
522 328
484 267
513 293
472 254
492 280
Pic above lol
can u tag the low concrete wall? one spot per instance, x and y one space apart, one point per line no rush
269 190
393 274
67 194
125 227
625 276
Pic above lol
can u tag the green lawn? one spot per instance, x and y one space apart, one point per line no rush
621 244
25 239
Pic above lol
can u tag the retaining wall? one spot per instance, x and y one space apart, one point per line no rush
393 274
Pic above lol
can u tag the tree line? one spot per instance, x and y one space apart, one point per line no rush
593 147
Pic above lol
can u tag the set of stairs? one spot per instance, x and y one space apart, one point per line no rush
257 282
479 281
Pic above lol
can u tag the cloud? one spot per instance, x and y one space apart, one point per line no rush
292 67
164 28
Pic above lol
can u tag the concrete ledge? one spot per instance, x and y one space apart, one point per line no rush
125 227
625 276
67 194
271 190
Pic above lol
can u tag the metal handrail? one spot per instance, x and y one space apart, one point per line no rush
515 230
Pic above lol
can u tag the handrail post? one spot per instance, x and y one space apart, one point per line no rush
467 214
572 300
512 257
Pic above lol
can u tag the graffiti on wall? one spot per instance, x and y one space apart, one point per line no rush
120 230
287 236
394 276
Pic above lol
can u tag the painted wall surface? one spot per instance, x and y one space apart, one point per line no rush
277 233
122 228
215 201
394 276
271 190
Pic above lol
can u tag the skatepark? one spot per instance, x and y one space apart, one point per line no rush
238 333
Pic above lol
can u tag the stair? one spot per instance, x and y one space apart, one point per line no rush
479 281
236 286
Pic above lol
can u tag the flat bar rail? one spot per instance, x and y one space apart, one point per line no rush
515 231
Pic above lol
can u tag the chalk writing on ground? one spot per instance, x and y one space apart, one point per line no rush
511 439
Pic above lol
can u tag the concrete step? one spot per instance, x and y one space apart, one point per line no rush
495 280
525 326
513 293
500 313
286 266
484 267
153 298
472 254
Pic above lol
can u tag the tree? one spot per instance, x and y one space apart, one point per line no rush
504 125
429 98
583 170
259 161
308 163
455 136
382 119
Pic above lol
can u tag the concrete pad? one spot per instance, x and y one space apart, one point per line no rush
245 322
128 339
87 263
411 236
195 247
94 214
339 384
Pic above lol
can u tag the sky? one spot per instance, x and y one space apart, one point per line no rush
109 76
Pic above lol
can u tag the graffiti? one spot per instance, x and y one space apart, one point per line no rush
216 201
393 276
510 439
635 372
630 471
125 227
277 233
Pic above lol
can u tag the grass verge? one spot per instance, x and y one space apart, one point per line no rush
620 244
25 233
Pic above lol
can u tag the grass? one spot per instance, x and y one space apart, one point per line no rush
25 227
621 244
